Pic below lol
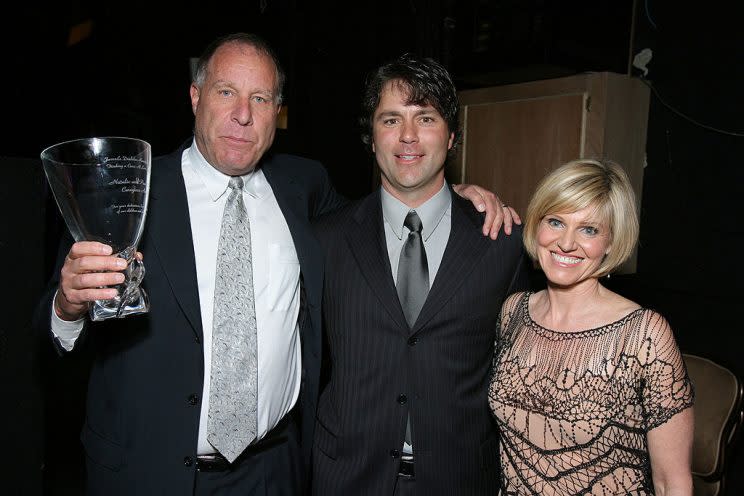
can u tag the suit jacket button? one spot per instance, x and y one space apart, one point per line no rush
188 461
394 453
193 399
402 399
412 341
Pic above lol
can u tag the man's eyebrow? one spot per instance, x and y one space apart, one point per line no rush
420 111
225 82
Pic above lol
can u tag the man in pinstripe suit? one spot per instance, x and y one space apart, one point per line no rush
404 410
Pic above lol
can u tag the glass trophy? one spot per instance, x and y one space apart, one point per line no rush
101 186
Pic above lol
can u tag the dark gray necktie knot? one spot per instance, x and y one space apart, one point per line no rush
413 222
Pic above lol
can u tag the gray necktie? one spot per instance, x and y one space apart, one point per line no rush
413 279
233 391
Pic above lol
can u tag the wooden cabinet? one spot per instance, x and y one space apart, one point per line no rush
514 134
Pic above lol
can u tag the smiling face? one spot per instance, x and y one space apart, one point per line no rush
571 246
410 143
236 108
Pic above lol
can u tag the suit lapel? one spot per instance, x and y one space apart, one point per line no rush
366 240
465 248
169 230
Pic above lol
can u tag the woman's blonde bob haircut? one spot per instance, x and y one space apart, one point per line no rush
580 184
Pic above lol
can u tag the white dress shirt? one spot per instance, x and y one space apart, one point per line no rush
276 282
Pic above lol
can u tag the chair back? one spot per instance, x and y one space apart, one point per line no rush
719 416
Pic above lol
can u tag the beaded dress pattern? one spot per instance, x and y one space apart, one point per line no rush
573 408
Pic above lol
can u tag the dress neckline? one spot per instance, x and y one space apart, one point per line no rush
559 335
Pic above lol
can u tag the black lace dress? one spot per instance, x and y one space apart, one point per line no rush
574 408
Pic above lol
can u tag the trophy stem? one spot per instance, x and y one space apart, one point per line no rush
132 299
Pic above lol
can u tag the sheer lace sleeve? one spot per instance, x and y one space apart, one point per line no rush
511 304
667 389
508 308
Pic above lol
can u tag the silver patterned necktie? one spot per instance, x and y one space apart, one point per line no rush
233 391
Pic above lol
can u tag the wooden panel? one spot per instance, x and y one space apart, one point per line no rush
571 85
625 128
510 146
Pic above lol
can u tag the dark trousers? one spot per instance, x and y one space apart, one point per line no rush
273 467
404 486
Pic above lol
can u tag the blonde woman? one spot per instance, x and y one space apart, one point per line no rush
589 389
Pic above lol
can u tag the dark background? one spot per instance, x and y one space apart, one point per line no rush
81 68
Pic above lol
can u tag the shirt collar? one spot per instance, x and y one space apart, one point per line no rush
254 182
430 212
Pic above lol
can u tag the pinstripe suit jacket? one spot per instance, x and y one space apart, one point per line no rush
381 371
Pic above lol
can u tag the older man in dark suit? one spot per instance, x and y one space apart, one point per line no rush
153 401
410 306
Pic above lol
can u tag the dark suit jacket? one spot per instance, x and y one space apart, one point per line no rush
438 371
140 432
